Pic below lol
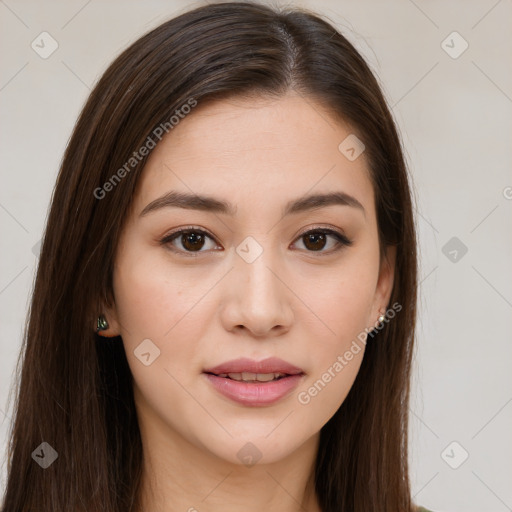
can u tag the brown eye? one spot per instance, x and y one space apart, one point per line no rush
191 241
316 240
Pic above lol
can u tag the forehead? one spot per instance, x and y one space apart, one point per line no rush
257 150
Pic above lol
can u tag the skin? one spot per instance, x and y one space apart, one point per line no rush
304 306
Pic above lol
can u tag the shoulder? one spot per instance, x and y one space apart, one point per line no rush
423 509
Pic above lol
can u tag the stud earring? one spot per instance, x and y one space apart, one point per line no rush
102 324
379 325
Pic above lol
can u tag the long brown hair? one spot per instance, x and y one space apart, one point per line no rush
75 389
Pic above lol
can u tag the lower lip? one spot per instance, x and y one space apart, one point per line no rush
254 394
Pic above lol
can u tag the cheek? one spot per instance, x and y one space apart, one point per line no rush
156 302
324 392
336 356
341 300
151 300
153 305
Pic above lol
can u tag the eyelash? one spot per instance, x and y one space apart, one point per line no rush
342 240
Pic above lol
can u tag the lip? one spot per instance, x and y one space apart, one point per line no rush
269 365
255 394
260 393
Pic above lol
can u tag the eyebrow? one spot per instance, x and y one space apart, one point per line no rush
211 204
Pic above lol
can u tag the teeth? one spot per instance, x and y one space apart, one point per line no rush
252 377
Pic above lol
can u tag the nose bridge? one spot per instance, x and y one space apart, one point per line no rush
260 300
256 263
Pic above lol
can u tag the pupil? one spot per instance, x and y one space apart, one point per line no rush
190 240
315 237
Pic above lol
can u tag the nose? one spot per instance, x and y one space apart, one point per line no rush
257 297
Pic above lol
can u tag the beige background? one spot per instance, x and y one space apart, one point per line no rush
456 122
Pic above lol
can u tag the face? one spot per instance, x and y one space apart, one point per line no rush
257 275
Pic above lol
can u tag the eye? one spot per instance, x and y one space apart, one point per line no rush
315 240
192 240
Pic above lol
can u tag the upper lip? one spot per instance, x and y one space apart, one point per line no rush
269 365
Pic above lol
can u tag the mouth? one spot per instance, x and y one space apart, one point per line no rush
250 377
253 383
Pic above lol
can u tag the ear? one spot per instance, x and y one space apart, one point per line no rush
385 282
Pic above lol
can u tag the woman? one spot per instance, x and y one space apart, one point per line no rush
224 310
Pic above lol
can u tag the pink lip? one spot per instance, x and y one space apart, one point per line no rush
269 365
255 394
252 393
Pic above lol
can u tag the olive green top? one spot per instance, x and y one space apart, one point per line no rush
423 509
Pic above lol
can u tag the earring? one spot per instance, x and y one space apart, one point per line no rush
102 324
378 326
